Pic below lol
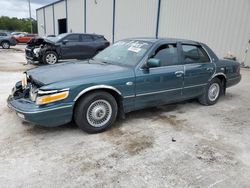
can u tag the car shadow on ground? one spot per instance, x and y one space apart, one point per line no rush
154 113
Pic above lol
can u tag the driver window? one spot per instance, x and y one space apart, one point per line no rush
167 54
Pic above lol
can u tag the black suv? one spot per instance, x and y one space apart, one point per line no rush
64 46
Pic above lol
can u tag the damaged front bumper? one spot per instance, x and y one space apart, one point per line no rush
50 115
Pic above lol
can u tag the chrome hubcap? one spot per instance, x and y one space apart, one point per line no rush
214 91
51 59
99 113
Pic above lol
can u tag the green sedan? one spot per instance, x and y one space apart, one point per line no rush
131 74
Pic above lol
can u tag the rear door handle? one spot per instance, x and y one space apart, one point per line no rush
179 73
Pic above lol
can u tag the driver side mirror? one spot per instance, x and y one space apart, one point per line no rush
65 41
152 62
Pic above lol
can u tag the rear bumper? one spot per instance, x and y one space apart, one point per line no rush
47 116
233 81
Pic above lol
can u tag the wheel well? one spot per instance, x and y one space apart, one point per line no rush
116 95
223 82
5 41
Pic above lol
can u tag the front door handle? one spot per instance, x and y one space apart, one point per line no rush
179 73
210 69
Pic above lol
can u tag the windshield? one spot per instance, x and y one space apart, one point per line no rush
126 52
57 38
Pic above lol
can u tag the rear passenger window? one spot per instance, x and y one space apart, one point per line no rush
167 54
194 54
87 38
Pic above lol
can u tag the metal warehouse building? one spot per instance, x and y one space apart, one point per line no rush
222 24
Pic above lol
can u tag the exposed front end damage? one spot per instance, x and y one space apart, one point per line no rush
36 48
23 100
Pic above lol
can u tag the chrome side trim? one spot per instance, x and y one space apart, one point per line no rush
163 91
129 96
97 87
38 111
217 74
41 92
156 92
238 77
195 86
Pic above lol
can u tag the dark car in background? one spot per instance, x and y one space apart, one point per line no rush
64 46
7 40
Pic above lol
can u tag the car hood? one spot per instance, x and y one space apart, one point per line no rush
71 70
39 41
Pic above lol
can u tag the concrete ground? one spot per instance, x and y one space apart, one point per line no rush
178 145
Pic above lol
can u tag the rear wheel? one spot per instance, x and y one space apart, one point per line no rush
212 92
96 112
5 45
50 57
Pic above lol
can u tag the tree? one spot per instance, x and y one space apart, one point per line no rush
17 24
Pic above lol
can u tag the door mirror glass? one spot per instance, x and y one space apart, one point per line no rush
152 62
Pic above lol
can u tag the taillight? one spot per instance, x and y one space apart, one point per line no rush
238 69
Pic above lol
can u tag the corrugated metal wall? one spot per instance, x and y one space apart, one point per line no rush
135 18
100 17
49 20
75 15
40 22
222 24
60 12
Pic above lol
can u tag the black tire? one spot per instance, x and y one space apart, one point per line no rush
50 54
84 105
5 45
205 99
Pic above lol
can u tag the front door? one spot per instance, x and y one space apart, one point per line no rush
163 84
198 70
70 46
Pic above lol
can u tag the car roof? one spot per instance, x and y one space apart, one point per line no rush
154 40
93 34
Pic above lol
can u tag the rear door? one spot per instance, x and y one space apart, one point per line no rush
87 46
70 46
160 85
198 69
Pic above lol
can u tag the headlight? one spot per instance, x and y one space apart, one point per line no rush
45 99
24 81
36 51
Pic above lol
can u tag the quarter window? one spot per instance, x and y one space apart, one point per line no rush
194 54
167 54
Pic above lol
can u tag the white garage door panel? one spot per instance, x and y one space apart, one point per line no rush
49 20
40 22
135 18
100 17
60 13
75 15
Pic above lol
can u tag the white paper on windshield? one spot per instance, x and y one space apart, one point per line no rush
134 49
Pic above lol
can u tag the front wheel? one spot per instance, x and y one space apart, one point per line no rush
5 45
50 57
96 112
212 92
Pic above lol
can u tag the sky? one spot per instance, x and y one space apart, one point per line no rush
20 8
